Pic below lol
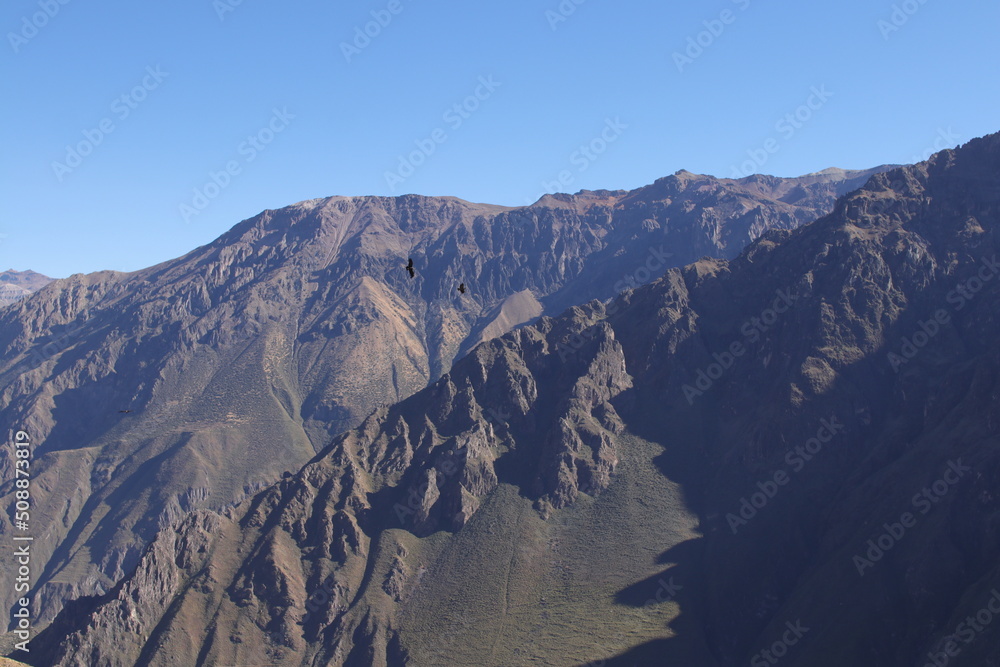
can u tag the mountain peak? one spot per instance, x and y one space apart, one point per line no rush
16 285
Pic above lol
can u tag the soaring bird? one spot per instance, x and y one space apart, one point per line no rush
124 412
409 267
461 288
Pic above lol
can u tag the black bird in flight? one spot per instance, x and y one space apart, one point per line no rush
124 412
409 267
461 288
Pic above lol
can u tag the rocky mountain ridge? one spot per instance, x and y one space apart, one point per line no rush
792 454
15 285
199 381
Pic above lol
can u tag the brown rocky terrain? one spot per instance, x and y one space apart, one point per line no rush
196 382
792 456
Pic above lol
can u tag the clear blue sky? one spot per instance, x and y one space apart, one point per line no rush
225 68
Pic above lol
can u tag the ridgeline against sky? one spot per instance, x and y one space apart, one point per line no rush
136 132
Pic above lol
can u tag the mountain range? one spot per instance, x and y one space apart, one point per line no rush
200 381
785 456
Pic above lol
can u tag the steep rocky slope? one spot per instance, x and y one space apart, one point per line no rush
195 382
793 457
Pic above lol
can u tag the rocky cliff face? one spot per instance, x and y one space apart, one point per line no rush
199 381
793 455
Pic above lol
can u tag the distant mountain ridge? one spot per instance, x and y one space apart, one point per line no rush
15 285
200 380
